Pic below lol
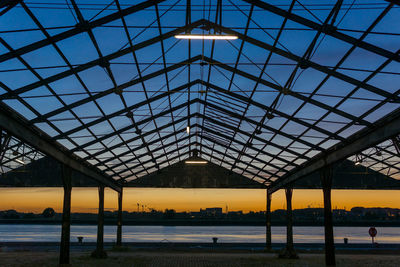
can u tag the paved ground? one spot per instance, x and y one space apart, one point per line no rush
352 248
177 259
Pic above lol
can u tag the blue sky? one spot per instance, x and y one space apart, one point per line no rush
264 26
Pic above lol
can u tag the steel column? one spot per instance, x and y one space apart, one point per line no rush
326 182
119 222
288 252
289 219
268 222
99 252
66 216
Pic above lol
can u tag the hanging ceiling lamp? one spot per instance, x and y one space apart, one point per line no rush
208 36
196 162
20 161
358 160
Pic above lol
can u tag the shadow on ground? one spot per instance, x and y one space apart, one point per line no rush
144 259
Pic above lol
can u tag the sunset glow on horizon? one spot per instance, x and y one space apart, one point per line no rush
86 199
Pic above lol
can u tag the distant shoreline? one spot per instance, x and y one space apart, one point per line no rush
197 223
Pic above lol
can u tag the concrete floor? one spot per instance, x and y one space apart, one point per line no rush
176 259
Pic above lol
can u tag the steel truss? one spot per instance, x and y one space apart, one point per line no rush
235 119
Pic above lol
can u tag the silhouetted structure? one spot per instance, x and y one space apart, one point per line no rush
125 95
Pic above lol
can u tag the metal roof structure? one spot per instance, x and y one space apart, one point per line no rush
17 154
106 88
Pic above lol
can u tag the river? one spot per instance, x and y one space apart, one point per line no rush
245 234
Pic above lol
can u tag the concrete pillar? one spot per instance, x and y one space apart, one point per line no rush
99 252
326 182
66 173
119 220
268 222
288 252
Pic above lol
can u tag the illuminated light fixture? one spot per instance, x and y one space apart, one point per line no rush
378 152
358 160
19 161
188 130
206 36
196 162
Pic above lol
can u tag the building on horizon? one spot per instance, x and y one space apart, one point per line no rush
211 212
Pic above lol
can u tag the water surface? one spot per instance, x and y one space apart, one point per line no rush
240 234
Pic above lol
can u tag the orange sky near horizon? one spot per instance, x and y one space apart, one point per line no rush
86 199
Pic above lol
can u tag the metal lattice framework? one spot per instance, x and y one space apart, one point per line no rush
106 85
15 154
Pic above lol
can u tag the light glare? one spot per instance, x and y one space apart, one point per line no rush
206 36
19 161
196 162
